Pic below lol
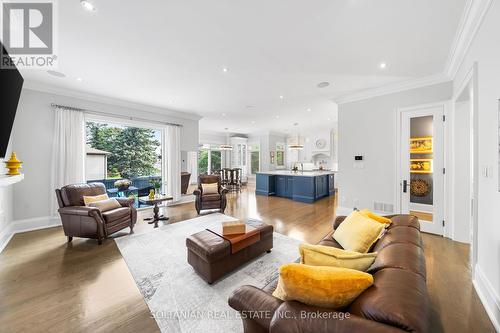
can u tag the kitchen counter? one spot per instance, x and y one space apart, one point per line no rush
303 186
298 173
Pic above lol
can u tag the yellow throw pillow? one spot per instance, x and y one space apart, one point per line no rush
327 287
358 233
211 188
376 217
89 199
318 255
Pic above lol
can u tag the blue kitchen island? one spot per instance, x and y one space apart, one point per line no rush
303 186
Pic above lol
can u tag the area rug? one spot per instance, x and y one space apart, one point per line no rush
179 300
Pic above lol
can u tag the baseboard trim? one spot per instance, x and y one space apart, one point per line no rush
5 237
488 297
341 211
26 225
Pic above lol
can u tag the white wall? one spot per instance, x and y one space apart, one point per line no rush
485 50
462 172
267 142
32 140
368 128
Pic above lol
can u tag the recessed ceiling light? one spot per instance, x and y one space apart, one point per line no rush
309 110
56 73
383 65
253 121
277 117
87 5
225 69
323 84
281 97
223 114
79 79
328 119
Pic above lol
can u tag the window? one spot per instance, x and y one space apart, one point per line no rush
209 159
117 151
254 158
280 154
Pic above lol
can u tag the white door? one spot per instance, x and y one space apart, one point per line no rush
422 166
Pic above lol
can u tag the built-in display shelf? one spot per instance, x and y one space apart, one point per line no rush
10 180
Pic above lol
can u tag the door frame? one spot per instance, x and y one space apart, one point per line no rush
469 81
398 174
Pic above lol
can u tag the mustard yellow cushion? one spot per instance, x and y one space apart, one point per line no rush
376 217
210 188
358 233
327 287
89 199
318 255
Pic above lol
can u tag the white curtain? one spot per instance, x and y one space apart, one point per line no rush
192 166
68 151
172 161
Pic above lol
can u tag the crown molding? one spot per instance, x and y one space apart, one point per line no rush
392 88
472 18
42 87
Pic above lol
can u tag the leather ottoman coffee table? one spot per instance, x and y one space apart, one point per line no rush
213 256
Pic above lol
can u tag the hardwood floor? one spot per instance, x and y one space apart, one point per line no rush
48 285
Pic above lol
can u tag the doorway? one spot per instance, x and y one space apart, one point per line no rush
421 165
463 203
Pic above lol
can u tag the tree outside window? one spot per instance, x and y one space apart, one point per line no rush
134 152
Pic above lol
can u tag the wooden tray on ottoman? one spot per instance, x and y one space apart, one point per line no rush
213 255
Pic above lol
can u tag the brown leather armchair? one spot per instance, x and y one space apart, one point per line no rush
88 222
210 201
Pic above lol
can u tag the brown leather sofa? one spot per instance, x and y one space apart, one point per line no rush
88 222
210 201
397 302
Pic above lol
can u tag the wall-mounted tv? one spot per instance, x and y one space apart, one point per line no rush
11 84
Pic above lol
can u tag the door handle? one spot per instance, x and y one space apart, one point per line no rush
405 185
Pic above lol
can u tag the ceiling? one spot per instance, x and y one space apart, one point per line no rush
171 54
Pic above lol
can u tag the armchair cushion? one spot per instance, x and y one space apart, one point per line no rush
212 188
211 197
88 199
106 205
116 214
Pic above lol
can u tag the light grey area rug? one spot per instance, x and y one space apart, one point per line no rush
178 298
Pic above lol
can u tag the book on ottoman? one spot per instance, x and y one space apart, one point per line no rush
233 228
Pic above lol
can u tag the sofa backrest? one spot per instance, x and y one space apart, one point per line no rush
72 195
399 294
398 298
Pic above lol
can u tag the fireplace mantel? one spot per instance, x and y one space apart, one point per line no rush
10 180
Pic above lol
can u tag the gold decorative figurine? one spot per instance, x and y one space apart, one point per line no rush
13 165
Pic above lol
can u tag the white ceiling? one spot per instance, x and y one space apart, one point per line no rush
171 54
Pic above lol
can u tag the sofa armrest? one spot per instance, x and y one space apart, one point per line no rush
223 190
295 317
338 221
254 303
80 211
197 192
125 202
